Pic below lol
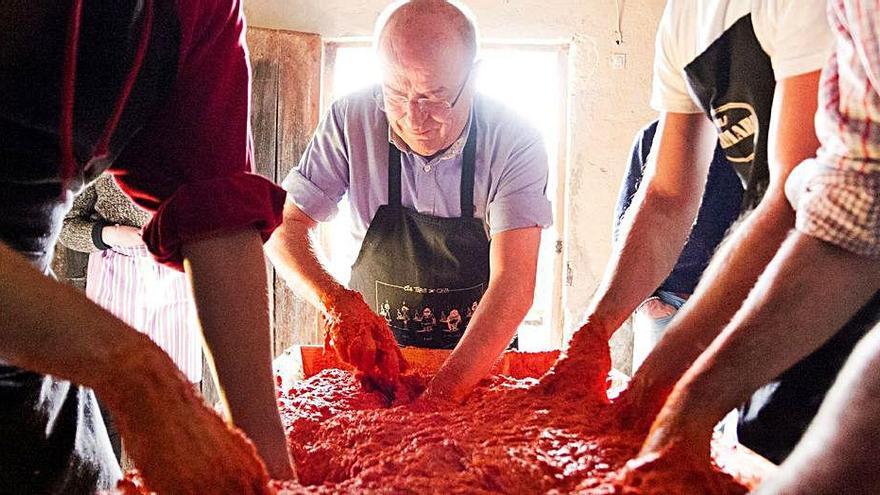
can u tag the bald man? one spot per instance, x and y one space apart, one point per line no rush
447 193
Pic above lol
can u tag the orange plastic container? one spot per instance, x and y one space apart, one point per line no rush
312 359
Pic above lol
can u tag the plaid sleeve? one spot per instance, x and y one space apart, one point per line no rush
838 193
841 207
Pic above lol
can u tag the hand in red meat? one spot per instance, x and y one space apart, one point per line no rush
583 368
362 338
176 440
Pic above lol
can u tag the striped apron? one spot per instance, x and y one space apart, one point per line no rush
152 298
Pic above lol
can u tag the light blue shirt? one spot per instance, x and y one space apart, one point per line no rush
349 154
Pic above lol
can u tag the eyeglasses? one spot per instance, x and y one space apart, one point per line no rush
432 106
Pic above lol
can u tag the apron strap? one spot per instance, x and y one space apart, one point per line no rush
393 175
468 165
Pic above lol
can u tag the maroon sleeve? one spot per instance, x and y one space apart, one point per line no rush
192 164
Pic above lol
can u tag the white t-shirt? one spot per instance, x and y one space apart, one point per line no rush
793 33
725 57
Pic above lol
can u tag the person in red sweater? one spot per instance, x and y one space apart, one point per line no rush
156 92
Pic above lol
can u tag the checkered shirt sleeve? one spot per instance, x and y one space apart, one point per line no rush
838 193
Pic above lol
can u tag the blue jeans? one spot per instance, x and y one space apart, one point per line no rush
649 323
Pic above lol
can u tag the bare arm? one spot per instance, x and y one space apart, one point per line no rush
656 226
53 329
228 276
779 324
32 337
513 259
737 265
292 249
358 335
652 235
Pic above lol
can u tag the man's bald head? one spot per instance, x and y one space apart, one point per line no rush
425 26
427 50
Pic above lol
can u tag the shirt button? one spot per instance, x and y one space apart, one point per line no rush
426 168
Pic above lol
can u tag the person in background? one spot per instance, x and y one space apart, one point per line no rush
433 172
156 91
124 279
721 205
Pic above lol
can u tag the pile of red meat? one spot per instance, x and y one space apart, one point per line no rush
510 436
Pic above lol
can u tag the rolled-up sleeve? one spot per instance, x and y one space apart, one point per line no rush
839 206
192 164
320 180
520 199
837 194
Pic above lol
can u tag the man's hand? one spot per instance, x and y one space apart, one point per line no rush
179 444
362 338
440 391
638 405
676 468
676 454
679 424
122 236
584 366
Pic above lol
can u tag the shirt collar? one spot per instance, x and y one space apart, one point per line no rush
451 152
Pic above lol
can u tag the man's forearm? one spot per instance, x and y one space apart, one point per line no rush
653 238
513 259
657 223
838 453
54 329
228 274
501 310
292 251
725 284
787 316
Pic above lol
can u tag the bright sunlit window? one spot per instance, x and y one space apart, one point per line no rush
527 78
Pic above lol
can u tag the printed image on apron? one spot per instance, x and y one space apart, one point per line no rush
437 320
424 274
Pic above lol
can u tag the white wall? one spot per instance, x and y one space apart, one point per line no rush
606 108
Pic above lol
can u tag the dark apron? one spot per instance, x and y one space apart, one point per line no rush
52 437
734 81
425 275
